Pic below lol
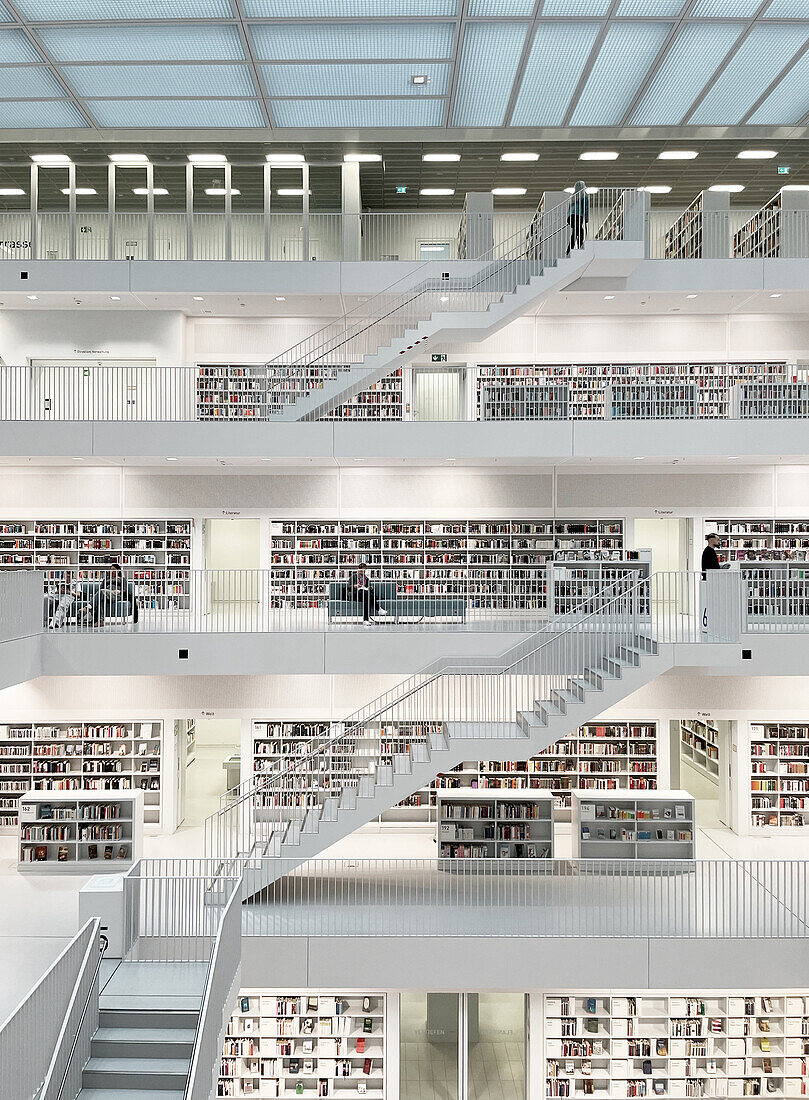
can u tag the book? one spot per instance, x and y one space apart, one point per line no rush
40 853
122 853
62 855
367 1025
360 1045
366 1067
108 851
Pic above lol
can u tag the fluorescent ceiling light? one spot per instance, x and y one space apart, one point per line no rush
519 156
170 459
775 295
290 191
50 160
656 189
598 154
80 191
691 295
508 190
221 191
425 248
441 158
445 297
197 298
796 187
280 298
115 297
11 191
207 158
419 78
362 158
589 190
145 191
288 159
129 160
729 188
678 154
756 154
32 297
437 191
609 297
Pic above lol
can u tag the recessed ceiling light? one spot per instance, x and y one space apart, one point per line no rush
519 156
775 295
609 297
145 191
691 295
290 191
280 298
427 248
50 160
80 191
730 188
756 154
11 191
362 158
445 297
589 190
678 154
598 154
197 298
129 160
437 191
508 190
115 297
288 159
170 459
656 189
207 158
796 187
639 458
221 191
419 78
76 458
32 297
441 158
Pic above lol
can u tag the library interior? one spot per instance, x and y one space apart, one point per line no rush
404 497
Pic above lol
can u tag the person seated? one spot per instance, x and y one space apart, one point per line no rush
360 590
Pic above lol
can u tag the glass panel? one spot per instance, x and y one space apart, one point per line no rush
429 1046
170 221
15 216
496 1031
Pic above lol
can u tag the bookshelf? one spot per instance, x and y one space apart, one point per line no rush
79 833
305 1043
697 1044
702 230
699 745
595 757
57 757
241 391
490 563
154 553
599 391
622 825
505 825
776 230
779 775
585 584
773 539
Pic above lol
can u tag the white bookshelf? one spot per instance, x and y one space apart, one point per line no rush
778 229
81 833
58 757
574 585
779 775
310 1043
622 825
699 745
770 540
504 825
745 1043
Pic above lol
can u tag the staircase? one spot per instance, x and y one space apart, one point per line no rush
533 695
412 315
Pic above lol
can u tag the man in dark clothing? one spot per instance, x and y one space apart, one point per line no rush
709 556
361 591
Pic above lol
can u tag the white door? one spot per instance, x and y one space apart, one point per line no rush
93 389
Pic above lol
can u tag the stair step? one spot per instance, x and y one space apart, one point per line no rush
146 1074
438 742
402 763
384 775
147 1018
421 753
366 787
582 683
331 807
311 823
142 1042
131 1094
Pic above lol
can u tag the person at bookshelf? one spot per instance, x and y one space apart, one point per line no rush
361 591
117 590
710 560
578 216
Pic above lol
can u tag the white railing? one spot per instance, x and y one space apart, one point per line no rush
666 608
48 1034
260 393
20 605
221 986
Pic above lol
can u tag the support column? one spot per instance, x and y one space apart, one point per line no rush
189 212
351 220
150 211
111 176
34 187
72 216
306 237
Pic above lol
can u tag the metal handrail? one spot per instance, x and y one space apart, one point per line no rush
103 944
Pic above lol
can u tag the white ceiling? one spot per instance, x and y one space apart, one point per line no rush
345 66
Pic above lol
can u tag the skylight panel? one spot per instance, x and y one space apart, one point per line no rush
493 49
15 46
788 9
576 7
765 51
176 114
52 114
788 102
355 41
324 9
83 10
161 80
358 112
191 42
622 63
689 64
28 82
371 79
555 65
725 9
501 7
660 8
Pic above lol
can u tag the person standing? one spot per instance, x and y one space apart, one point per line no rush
710 559
578 215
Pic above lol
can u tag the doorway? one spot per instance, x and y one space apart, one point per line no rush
233 555
76 389
701 763
213 768
669 539
438 395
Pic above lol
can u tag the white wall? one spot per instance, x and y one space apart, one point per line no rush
96 335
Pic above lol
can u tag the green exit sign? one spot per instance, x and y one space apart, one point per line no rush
438 358
783 170
401 190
